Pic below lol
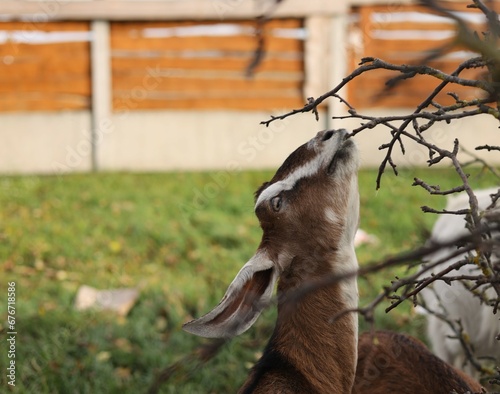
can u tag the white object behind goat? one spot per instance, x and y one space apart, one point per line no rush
454 300
362 237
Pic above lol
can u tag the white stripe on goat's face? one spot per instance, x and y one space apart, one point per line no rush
306 210
304 162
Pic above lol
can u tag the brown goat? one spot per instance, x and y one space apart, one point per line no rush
309 214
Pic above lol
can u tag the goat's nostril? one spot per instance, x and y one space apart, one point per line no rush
327 135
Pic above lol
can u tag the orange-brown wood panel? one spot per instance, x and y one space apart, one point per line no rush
44 75
184 71
57 75
368 89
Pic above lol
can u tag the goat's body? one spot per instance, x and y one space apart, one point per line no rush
390 362
479 324
455 301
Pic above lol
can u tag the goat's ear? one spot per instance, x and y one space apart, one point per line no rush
246 297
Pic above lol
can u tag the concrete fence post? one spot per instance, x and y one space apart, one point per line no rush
100 53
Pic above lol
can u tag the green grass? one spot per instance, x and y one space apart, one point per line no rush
180 238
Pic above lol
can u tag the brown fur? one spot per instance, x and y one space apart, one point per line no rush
319 356
390 362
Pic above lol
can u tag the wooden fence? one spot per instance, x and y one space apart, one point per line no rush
201 65
407 35
44 68
176 65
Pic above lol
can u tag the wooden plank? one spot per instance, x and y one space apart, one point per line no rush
378 47
201 85
45 86
253 103
23 67
413 25
66 83
231 43
124 65
69 50
149 78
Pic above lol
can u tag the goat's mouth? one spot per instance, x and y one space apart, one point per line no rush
342 155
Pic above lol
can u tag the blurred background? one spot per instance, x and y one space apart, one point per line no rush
130 147
163 85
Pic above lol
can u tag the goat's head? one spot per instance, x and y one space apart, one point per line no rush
309 214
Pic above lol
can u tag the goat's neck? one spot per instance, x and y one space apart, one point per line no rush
322 350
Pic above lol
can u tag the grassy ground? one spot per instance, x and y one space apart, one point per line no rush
180 238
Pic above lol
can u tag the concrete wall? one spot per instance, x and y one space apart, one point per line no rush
41 142
196 141
183 140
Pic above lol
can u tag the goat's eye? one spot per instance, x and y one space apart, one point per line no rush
276 203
